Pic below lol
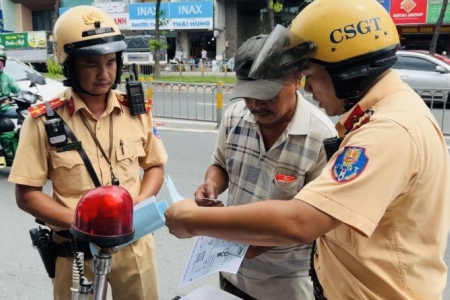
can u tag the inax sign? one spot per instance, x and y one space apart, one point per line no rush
177 15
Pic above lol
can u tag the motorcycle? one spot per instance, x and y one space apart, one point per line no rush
9 127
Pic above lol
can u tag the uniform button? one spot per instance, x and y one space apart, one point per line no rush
101 156
98 126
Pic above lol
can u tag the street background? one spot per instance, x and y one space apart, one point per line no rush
189 145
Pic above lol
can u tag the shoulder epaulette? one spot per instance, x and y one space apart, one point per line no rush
41 108
123 100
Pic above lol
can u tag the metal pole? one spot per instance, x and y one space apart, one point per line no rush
150 88
102 266
219 102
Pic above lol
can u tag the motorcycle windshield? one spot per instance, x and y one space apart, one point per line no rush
281 52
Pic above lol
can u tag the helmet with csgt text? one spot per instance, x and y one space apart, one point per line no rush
86 31
345 30
355 40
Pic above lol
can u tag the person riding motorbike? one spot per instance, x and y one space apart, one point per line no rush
8 86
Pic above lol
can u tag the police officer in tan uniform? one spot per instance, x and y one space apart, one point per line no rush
379 212
89 46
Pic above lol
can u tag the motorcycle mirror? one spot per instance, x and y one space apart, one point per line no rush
36 78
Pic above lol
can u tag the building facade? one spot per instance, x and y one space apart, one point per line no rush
218 26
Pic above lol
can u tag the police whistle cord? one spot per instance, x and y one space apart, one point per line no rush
317 288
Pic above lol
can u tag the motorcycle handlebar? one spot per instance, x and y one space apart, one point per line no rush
25 96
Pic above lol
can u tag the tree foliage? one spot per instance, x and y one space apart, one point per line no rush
156 44
273 7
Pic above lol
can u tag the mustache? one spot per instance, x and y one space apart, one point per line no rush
260 111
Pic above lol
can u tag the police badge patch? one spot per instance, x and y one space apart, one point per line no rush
156 132
349 164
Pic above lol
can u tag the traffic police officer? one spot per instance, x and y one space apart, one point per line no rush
116 142
380 210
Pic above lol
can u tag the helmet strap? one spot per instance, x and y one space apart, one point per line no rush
352 81
72 82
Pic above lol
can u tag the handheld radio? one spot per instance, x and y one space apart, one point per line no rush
135 93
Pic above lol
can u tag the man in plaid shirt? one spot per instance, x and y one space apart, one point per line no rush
268 147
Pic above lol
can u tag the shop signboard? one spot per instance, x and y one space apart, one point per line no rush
117 10
434 9
423 29
24 40
175 16
409 11
30 46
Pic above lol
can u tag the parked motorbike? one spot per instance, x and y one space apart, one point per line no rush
9 127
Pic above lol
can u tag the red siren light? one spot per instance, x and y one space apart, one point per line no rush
104 216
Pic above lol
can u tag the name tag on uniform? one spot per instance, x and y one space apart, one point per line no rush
68 147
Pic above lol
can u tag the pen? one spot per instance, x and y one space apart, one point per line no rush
121 147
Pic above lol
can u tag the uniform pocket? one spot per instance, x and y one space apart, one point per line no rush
286 190
69 174
127 156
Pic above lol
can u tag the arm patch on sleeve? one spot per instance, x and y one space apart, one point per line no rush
349 164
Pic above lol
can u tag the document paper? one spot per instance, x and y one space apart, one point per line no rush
211 255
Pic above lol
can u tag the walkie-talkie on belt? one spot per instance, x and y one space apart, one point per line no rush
135 93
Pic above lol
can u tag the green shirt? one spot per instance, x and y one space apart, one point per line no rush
8 85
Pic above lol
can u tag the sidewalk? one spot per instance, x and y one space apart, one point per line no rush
185 125
203 126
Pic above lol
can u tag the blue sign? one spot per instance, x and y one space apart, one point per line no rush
172 10
174 15
386 4
1 21
147 11
62 10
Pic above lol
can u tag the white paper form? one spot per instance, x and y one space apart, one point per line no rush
208 255
211 255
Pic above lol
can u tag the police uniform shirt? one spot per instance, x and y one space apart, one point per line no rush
388 184
136 144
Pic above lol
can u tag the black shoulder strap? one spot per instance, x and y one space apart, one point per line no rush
84 156
82 153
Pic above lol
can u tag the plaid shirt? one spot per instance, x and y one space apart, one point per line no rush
251 169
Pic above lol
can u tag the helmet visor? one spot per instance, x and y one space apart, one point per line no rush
282 52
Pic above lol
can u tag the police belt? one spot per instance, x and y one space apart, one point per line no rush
67 249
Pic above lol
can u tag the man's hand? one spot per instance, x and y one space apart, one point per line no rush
208 191
177 218
254 251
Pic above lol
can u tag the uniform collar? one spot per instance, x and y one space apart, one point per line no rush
375 94
299 124
75 103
